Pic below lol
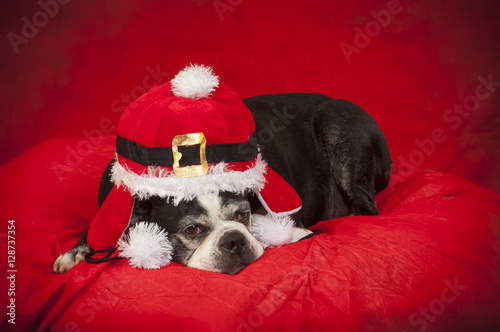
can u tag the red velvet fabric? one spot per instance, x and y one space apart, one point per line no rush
111 220
429 262
278 196
158 116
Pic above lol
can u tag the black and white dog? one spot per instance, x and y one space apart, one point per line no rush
330 151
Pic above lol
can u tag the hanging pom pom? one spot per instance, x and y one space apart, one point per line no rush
194 82
272 230
146 246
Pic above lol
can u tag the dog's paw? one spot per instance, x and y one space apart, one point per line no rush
299 233
67 260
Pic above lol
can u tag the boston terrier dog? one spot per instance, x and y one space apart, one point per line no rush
330 151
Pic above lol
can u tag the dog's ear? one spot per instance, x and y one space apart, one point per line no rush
106 184
255 204
142 211
160 211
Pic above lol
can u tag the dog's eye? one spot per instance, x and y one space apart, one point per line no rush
240 215
193 230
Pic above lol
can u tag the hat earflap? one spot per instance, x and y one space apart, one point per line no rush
272 230
146 246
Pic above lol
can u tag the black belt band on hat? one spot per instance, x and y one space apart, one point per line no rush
163 156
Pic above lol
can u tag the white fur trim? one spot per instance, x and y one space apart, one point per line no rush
164 183
272 230
194 82
146 246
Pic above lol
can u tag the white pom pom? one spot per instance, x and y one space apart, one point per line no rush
272 230
146 246
194 82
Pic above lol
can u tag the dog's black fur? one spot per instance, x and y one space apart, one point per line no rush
330 151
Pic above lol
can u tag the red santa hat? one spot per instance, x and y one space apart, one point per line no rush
188 137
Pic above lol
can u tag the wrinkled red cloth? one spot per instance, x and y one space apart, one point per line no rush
429 262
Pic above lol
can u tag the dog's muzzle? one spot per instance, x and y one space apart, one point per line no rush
233 243
235 252
228 250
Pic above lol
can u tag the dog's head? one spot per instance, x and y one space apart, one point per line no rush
211 232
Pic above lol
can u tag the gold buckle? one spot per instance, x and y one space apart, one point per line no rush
190 140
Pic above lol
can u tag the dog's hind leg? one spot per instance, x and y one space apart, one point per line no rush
355 180
357 151
72 257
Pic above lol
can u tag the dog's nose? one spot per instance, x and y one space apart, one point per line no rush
233 243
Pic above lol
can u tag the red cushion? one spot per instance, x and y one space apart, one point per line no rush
429 262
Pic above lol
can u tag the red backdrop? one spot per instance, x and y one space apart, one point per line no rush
426 70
